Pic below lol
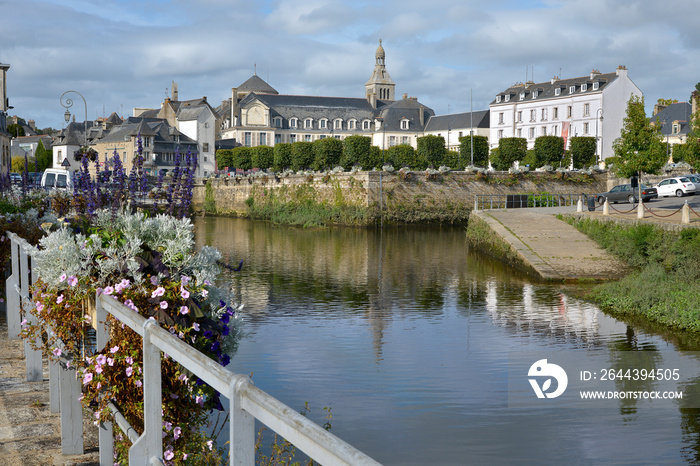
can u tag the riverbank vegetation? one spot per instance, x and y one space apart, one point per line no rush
665 286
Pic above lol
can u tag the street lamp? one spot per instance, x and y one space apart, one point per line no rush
68 104
596 134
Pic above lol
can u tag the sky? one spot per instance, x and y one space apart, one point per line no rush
453 55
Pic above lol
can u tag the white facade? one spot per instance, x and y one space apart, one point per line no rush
199 123
592 106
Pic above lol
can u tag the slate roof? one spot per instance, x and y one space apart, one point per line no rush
459 120
546 90
405 109
257 85
680 111
74 134
156 127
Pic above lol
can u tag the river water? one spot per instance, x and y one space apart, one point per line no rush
414 343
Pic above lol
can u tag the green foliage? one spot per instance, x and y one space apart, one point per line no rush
375 158
681 152
302 155
403 155
431 148
531 160
451 159
495 159
356 151
583 150
224 159
262 157
282 156
510 150
209 201
481 150
667 102
44 157
549 150
327 153
18 164
241 158
639 147
15 130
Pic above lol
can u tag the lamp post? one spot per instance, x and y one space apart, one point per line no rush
600 110
68 104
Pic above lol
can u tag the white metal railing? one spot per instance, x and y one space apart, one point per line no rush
247 402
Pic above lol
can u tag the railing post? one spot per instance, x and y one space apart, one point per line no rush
242 434
150 444
606 207
640 209
106 437
685 214
13 298
71 412
100 324
31 356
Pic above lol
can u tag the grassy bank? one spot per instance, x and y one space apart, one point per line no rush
481 237
665 287
311 214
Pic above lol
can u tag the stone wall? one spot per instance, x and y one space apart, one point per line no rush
416 197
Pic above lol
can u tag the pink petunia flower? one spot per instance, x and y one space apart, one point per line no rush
129 360
176 433
72 280
129 371
59 300
184 293
184 310
87 378
101 359
163 304
57 352
114 349
108 290
39 306
160 291
110 362
138 383
195 326
168 455
62 278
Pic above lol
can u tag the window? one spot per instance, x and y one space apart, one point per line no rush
544 131
557 91
307 137
535 94
322 124
146 142
520 132
247 136
586 109
522 96
292 138
533 114
507 97
569 111
675 128
520 116
500 133
404 124
595 86
392 141
532 133
365 125
309 123
572 89
555 130
338 124
263 139
555 113
498 98
584 87
278 138
585 128
293 122
544 115
278 122
205 147
404 139
500 118
352 124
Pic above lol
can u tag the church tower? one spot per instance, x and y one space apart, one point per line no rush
380 86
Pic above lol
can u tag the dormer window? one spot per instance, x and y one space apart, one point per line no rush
365 125
338 124
404 123
557 91
572 89
309 123
498 98
352 124
507 97
322 124
277 121
595 86
535 94
584 87
293 122
522 96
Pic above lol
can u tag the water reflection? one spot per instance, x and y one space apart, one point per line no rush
406 333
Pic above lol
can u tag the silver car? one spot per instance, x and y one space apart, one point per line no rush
677 186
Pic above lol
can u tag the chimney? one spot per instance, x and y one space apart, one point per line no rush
621 71
421 117
204 98
694 96
372 97
32 125
594 73
405 96
174 91
658 108
554 79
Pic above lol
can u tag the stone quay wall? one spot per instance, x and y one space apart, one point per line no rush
419 191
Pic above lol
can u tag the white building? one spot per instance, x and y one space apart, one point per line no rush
593 106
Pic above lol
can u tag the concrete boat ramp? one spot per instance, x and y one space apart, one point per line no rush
551 248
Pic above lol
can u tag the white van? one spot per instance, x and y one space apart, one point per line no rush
57 178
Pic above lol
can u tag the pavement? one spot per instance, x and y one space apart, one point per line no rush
554 249
30 434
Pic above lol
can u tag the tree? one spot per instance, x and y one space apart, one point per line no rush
510 150
282 156
667 102
431 148
639 149
403 155
18 164
262 157
44 157
15 130
692 153
481 151
355 151
327 153
302 155
241 158
224 159
583 150
549 150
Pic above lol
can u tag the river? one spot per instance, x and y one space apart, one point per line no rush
417 346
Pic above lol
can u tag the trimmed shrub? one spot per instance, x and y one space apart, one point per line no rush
327 153
549 150
582 151
355 151
262 157
481 151
302 155
431 148
282 156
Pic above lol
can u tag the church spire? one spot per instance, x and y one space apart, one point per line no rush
380 86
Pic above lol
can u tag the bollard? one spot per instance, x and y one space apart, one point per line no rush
685 214
579 205
606 207
640 209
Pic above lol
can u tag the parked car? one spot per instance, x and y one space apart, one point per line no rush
625 192
677 186
695 179
15 178
57 178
